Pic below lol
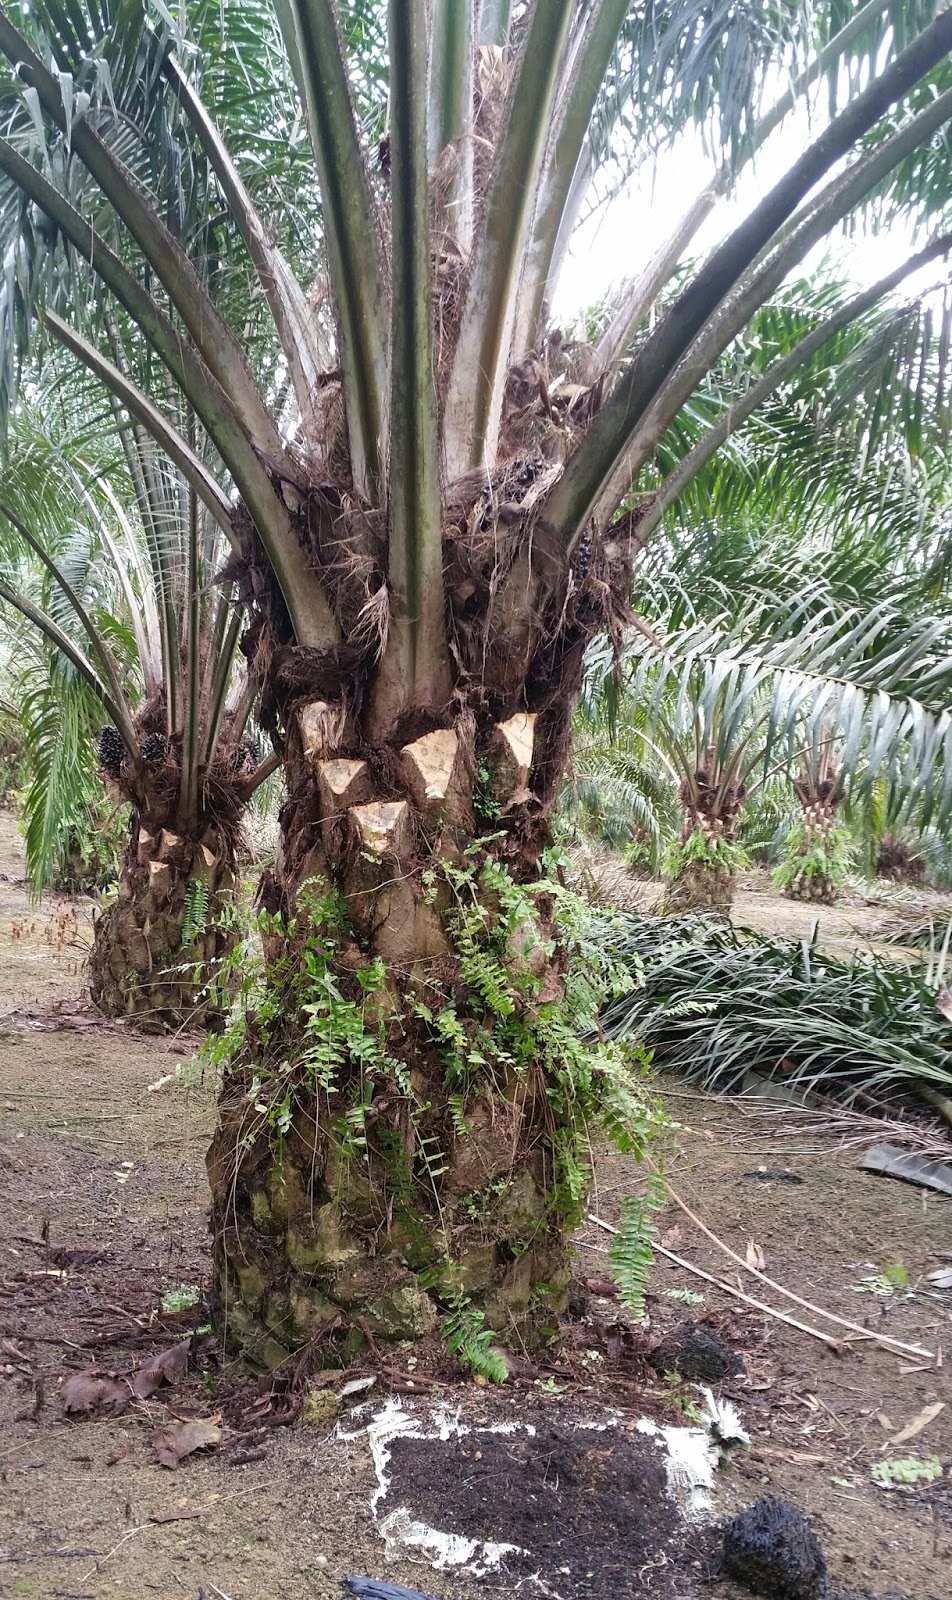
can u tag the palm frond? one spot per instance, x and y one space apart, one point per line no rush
719 1002
621 792
61 789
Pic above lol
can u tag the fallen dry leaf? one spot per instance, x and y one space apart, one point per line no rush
179 1516
884 1422
167 1366
927 1415
172 1445
604 1288
755 1257
87 1391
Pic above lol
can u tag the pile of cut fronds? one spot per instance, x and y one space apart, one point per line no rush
714 1002
917 929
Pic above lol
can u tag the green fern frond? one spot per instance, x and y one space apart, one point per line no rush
630 1254
196 912
467 1337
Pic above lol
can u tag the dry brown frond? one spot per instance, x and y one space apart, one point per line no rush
372 628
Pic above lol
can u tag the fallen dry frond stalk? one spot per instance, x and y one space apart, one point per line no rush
885 1339
855 1128
129 1534
738 1294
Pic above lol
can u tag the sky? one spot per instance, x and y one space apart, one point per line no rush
616 241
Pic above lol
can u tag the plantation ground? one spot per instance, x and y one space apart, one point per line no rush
283 1511
857 918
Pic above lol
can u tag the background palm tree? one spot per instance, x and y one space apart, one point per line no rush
425 490
109 563
819 522
816 854
834 696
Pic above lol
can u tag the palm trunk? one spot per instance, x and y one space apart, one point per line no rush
425 1157
84 864
405 1129
156 946
897 862
813 865
163 938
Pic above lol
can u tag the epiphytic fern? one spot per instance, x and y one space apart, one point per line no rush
631 1255
196 911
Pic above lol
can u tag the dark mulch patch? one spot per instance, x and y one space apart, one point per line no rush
589 1506
696 1353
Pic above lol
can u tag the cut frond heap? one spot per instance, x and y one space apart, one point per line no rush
716 1003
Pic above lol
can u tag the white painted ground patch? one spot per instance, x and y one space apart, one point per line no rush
400 1529
692 1455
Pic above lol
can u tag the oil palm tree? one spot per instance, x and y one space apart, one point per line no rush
110 564
820 520
821 491
424 488
841 698
817 847
825 675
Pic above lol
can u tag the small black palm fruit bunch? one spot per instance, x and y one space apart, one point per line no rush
111 751
153 748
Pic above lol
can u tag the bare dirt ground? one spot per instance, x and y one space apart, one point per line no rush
102 1213
859 918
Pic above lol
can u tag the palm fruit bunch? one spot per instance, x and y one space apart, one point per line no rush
111 751
582 560
243 757
154 747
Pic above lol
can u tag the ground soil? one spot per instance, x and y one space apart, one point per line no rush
102 1215
591 1504
860 916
